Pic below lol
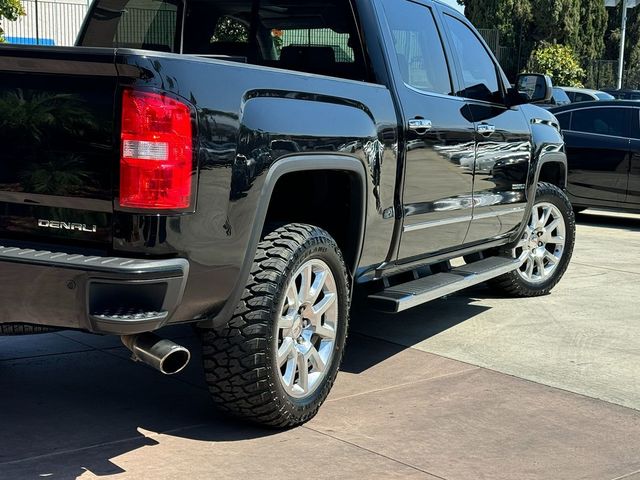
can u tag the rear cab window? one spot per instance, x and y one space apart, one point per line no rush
140 24
305 36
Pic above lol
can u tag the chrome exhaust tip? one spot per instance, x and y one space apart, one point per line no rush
164 355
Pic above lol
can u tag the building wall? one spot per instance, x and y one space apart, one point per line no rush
50 22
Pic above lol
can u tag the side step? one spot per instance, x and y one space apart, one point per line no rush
411 294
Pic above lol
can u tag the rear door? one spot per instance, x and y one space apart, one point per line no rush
503 137
598 150
58 147
439 136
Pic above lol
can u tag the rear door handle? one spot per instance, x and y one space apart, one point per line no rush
486 129
420 125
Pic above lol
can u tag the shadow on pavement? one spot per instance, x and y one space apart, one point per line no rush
415 325
65 412
601 218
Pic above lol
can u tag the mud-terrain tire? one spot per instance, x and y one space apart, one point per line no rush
548 238
255 365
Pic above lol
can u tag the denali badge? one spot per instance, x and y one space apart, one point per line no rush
77 227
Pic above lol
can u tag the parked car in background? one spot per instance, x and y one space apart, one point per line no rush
559 98
586 94
603 149
623 94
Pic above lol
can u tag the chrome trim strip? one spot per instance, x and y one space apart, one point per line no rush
436 223
466 218
482 216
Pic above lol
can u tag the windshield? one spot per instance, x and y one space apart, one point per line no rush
604 96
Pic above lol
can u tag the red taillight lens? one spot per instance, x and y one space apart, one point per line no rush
156 159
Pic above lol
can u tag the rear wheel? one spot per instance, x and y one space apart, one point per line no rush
275 362
545 247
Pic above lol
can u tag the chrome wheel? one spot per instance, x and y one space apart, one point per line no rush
307 328
542 244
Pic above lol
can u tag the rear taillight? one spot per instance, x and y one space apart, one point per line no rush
156 157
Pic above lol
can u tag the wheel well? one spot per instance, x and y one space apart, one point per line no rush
328 199
554 173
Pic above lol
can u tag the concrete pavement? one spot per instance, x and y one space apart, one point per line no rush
469 387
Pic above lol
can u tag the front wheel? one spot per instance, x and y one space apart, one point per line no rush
545 247
275 362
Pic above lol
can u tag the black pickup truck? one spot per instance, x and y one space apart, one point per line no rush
247 165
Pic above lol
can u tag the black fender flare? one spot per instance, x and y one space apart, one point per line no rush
284 166
552 157
556 156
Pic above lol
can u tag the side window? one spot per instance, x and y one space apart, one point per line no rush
603 121
565 120
479 73
581 97
418 47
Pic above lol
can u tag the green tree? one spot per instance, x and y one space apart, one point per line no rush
509 17
555 21
559 62
230 30
11 10
632 44
524 25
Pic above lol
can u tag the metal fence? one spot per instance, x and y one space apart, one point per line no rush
46 23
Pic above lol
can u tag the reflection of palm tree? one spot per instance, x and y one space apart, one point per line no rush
39 124
61 175
34 114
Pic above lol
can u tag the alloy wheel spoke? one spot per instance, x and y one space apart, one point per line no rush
286 321
284 352
325 304
534 218
316 360
318 285
324 331
553 225
558 241
303 371
540 265
530 267
305 284
290 375
293 298
551 257
546 213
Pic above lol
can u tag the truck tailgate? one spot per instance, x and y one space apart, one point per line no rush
58 145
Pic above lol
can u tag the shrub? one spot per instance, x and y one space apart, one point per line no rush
559 62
